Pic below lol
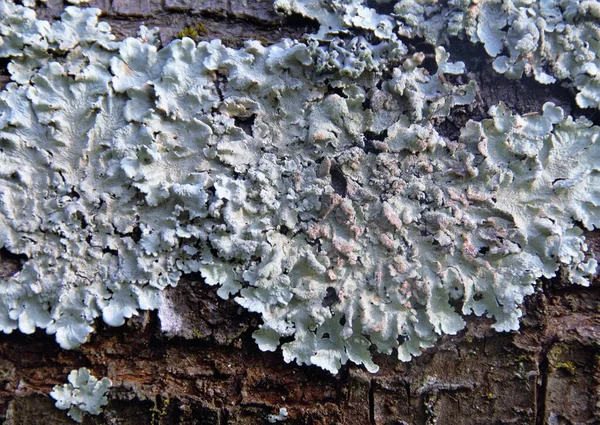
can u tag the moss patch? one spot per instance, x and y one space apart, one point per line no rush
193 32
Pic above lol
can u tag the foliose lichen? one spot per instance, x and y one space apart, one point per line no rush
279 417
306 180
552 40
83 394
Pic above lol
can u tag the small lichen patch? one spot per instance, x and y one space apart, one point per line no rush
279 417
83 394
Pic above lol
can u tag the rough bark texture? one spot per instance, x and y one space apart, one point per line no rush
208 370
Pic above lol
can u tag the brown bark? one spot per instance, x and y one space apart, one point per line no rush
209 370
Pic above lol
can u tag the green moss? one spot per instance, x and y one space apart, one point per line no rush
568 366
523 358
193 32
556 358
161 412
556 352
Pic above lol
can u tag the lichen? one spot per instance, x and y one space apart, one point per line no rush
306 180
279 417
552 40
83 394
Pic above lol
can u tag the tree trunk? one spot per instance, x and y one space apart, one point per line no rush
207 369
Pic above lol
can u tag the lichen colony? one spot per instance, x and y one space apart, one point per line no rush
306 179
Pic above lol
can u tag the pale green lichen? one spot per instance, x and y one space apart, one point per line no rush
306 180
548 39
279 417
83 394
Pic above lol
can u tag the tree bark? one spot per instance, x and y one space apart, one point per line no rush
206 369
